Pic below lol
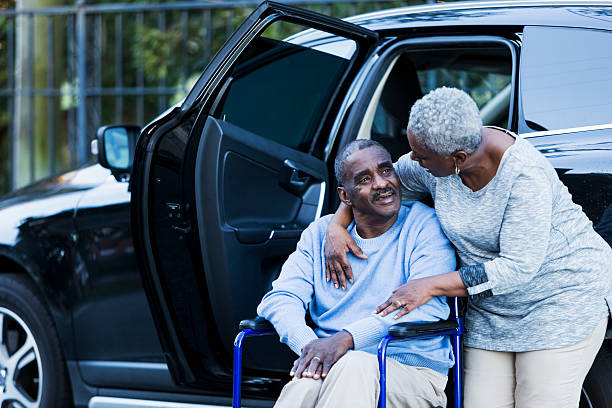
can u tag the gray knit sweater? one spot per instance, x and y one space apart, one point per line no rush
537 274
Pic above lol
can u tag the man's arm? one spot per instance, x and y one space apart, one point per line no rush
285 307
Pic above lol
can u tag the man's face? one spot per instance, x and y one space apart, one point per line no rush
371 185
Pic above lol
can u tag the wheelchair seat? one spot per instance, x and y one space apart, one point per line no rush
453 327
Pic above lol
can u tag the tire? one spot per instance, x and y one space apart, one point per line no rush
597 388
32 369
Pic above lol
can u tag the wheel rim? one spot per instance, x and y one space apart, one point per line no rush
21 377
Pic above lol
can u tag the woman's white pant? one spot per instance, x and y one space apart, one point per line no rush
539 379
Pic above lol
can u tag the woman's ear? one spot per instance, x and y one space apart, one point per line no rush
343 196
459 157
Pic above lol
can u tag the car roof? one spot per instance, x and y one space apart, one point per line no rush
583 14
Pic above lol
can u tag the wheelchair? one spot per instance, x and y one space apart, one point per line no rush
452 327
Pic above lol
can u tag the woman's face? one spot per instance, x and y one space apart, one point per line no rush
436 164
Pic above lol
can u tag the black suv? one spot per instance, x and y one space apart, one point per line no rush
223 184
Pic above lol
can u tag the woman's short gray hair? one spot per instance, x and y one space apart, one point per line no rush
446 120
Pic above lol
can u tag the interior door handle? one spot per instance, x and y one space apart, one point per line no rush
294 178
262 234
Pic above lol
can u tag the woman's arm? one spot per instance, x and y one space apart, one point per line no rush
523 242
337 243
523 239
428 276
417 292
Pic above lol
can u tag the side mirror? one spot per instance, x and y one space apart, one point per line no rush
114 148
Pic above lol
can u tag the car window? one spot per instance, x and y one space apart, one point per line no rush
280 88
565 77
484 72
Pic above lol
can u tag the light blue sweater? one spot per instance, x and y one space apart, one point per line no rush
414 247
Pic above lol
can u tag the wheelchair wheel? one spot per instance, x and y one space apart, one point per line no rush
597 387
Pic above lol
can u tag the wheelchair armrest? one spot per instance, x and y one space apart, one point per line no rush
258 323
415 329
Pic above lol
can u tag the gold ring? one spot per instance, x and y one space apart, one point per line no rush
317 357
397 303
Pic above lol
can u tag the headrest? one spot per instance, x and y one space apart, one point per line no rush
401 90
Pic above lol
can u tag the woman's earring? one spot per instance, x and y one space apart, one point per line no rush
457 169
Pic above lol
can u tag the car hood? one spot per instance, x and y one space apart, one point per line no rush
52 196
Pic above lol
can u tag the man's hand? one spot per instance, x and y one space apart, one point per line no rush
320 355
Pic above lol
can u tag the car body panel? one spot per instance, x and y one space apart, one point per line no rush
36 234
596 15
111 312
49 230
584 163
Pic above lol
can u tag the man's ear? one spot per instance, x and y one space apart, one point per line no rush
343 195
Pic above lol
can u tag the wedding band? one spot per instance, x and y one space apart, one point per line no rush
397 303
317 357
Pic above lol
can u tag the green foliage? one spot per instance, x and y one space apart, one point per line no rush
154 49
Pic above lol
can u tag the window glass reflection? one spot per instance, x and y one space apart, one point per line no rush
566 77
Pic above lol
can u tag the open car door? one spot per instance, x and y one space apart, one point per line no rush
223 186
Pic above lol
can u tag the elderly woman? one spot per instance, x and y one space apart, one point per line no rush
537 275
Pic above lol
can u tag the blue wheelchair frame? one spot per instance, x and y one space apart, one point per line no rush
452 327
248 328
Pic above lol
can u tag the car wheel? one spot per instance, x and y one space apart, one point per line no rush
597 388
32 369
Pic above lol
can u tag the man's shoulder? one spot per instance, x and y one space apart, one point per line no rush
419 217
316 229
416 209
322 222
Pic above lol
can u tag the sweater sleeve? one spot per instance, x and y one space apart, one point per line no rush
431 255
416 182
286 304
523 239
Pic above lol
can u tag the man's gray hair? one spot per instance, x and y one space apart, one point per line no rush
354 146
446 120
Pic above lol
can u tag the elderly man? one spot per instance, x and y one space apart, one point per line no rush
337 366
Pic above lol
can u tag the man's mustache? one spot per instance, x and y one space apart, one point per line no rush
384 191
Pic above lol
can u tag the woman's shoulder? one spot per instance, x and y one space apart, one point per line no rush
526 166
524 158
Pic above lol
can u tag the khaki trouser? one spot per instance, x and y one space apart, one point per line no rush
353 382
543 379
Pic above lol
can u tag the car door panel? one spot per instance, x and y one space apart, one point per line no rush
237 197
